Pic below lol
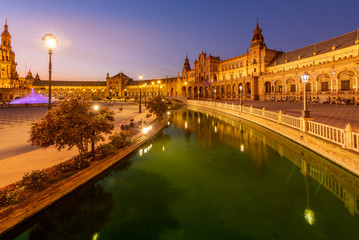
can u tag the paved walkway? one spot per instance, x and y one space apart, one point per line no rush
333 115
17 156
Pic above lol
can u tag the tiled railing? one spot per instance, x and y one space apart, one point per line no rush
355 141
329 133
346 138
291 121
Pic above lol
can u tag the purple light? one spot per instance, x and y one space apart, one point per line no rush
33 98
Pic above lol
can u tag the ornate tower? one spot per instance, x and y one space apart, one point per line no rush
186 68
7 60
257 39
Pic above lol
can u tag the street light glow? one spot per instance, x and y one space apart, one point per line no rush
50 41
96 107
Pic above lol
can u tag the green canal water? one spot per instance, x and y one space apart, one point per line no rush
209 176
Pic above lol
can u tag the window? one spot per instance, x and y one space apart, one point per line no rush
345 85
222 68
254 70
325 86
292 88
237 65
241 64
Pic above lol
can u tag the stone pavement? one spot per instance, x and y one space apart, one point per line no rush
333 115
18 157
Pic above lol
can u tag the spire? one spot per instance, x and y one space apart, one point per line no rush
258 39
5 33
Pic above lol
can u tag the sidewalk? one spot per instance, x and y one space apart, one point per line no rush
13 168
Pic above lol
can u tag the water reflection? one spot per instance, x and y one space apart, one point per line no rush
77 218
253 140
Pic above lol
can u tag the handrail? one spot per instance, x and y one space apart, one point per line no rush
345 138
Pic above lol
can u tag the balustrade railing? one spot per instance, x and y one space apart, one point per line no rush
355 141
329 133
346 138
271 115
291 121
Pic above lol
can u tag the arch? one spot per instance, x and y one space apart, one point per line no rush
190 92
291 86
172 91
184 92
239 88
234 90
278 86
267 87
323 82
228 90
247 88
345 79
214 77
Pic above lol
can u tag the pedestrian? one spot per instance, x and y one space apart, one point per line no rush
120 109
123 126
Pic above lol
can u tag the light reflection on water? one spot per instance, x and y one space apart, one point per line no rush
210 176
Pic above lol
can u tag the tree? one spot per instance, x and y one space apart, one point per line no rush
157 106
72 123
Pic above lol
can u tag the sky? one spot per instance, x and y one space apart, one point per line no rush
153 37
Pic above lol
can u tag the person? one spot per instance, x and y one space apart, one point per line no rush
120 108
123 127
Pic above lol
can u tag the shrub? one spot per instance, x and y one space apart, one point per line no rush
35 179
64 167
80 163
120 140
148 115
106 149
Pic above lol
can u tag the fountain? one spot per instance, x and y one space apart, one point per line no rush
33 98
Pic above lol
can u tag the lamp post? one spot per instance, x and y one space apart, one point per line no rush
159 91
139 106
145 93
198 95
152 88
305 113
51 43
240 93
215 97
95 108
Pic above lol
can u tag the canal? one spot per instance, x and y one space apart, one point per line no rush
209 176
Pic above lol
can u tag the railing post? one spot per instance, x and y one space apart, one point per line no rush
263 112
225 105
250 109
348 136
280 116
232 106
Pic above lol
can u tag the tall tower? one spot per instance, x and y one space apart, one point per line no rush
257 39
186 68
7 60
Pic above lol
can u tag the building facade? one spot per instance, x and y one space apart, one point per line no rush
262 74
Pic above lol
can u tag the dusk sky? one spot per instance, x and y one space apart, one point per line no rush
153 37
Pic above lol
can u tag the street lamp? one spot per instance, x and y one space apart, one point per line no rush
215 97
51 43
139 106
240 93
305 113
159 91
144 85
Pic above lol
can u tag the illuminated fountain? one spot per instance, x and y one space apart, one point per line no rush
33 98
